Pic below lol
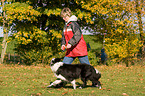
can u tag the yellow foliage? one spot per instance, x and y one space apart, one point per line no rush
116 17
55 11
20 11
122 49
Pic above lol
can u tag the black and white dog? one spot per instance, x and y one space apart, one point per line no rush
70 72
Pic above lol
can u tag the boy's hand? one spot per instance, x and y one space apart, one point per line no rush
68 46
63 47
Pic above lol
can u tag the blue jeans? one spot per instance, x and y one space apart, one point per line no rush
82 59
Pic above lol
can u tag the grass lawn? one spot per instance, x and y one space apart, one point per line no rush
117 80
10 46
94 43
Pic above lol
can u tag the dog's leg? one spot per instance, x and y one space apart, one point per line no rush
74 84
96 84
54 83
84 82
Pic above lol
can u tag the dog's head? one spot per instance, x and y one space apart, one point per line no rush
54 60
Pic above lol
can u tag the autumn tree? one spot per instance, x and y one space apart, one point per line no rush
38 26
5 32
140 11
35 30
117 18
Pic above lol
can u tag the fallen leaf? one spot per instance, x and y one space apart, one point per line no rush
43 87
93 91
64 93
59 89
39 94
50 91
124 94
140 75
109 89
65 89
16 86
103 89
27 89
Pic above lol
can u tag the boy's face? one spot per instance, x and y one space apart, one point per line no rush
66 18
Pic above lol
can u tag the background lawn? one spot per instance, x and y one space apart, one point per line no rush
10 46
92 39
117 80
96 46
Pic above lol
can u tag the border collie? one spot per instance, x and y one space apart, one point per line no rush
70 72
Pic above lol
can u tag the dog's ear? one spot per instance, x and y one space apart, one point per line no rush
57 59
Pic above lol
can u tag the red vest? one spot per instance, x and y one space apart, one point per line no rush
79 49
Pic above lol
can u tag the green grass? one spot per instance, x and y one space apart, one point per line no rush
93 41
10 46
117 80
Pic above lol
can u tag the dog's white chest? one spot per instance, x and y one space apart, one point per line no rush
55 67
60 77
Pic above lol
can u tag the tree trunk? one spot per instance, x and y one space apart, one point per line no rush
4 43
139 9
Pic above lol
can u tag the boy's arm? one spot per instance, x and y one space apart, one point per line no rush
63 39
77 33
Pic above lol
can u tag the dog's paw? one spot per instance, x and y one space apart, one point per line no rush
97 86
100 87
49 86
80 87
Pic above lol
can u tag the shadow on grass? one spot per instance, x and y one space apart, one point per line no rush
68 85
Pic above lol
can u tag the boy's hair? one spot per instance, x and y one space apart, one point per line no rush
65 12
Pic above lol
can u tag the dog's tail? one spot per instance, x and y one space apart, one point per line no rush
97 72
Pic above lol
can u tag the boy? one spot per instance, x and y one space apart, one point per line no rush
72 39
